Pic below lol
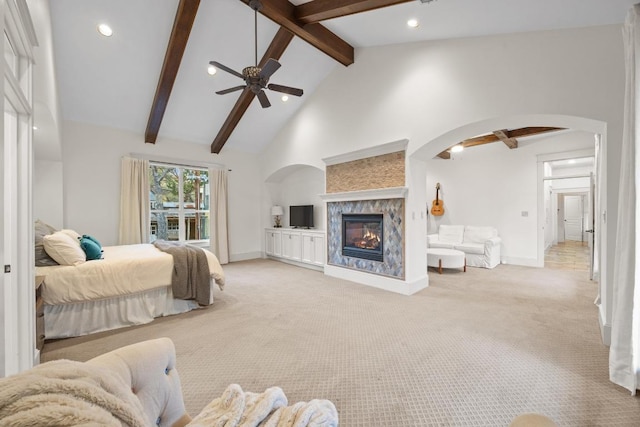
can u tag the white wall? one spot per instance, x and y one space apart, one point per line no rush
493 185
421 90
47 112
47 192
92 182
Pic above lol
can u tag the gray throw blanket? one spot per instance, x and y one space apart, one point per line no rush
191 275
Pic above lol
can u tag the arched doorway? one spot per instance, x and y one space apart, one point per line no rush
426 151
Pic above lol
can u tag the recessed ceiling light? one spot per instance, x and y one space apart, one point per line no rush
413 23
457 148
211 70
105 30
285 98
35 127
572 161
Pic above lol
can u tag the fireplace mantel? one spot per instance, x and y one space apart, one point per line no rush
381 193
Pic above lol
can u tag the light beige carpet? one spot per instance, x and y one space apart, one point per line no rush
473 349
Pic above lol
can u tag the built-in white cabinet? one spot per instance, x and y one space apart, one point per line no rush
273 242
313 247
301 247
291 245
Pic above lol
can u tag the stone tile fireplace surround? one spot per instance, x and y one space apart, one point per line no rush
374 181
392 211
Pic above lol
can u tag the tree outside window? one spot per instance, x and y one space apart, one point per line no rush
179 198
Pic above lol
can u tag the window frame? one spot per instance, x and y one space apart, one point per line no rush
181 210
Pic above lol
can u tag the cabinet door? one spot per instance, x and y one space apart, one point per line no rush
269 243
313 248
291 245
319 248
308 249
273 243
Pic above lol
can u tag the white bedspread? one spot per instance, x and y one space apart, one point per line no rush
124 270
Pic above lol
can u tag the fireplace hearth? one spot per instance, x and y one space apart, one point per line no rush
362 236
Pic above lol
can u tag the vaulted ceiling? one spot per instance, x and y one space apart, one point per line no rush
151 76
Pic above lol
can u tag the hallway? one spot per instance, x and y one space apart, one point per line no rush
568 255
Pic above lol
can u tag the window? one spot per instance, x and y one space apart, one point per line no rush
179 202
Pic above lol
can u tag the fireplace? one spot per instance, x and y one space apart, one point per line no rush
362 236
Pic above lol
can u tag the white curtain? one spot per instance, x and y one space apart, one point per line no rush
134 201
219 239
624 355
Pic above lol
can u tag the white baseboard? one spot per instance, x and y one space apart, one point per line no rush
605 329
397 286
525 262
245 256
298 264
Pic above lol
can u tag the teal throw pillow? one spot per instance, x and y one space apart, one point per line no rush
93 239
91 248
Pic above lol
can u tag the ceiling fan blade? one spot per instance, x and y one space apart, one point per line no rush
264 101
285 89
231 89
269 68
225 68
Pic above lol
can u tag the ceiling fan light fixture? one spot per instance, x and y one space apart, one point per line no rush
285 98
413 23
457 148
105 30
256 77
211 69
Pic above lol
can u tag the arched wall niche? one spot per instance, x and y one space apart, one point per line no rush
298 184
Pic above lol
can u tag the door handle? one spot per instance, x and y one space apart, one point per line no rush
588 231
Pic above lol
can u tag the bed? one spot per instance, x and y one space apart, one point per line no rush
130 285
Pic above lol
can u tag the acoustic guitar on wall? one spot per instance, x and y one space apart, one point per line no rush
437 207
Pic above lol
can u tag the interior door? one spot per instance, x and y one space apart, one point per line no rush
573 218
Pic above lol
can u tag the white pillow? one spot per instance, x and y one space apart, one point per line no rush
73 234
450 233
63 249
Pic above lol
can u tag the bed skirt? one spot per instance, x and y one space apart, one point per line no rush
82 318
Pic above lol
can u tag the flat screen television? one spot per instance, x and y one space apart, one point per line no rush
301 216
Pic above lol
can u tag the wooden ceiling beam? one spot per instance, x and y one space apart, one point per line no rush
320 10
530 131
275 50
283 13
185 16
502 136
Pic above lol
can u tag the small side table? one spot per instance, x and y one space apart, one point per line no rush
39 313
446 258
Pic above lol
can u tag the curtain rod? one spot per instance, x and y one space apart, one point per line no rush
178 162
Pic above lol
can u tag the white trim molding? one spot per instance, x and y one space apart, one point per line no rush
375 194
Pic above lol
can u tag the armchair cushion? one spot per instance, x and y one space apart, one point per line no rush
470 248
450 233
475 234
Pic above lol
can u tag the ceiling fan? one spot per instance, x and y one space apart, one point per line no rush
256 78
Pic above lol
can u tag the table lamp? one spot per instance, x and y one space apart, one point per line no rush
276 212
